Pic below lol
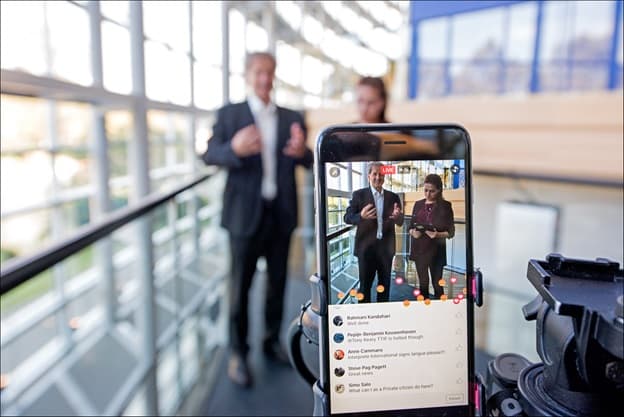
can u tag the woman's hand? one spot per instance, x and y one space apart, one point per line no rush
432 233
415 233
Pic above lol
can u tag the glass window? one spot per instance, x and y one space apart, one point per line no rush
384 42
592 29
34 169
237 42
167 74
69 42
328 44
74 124
471 44
237 88
290 12
168 135
72 168
167 21
203 131
312 29
588 76
208 86
620 45
431 80
116 58
553 77
521 35
29 53
517 77
120 195
288 98
118 125
75 214
289 67
257 38
167 374
556 26
116 10
312 102
23 123
620 58
207 39
26 233
23 294
311 82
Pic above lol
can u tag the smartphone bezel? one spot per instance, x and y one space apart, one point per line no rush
322 268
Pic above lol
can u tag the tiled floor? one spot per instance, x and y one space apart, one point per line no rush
278 390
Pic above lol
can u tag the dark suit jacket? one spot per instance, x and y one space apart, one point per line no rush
442 219
366 233
242 198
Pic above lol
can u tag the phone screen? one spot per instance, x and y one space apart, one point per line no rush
396 251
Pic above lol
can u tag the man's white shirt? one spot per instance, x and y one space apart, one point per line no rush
265 117
379 203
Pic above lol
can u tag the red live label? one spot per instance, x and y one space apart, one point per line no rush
388 169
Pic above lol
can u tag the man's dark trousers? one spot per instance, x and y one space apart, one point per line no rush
269 242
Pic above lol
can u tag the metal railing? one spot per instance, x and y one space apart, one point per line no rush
134 332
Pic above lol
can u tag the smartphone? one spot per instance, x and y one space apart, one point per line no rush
394 244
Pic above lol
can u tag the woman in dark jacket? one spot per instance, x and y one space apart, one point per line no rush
431 224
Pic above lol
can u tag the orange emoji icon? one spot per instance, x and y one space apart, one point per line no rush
442 283
380 288
340 294
420 297
406 303
353 292
443 297
427 301
359 296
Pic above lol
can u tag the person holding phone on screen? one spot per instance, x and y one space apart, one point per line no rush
431 224
376 212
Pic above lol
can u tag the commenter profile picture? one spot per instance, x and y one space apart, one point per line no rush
339 354
340 388
338 321
338 337
339 371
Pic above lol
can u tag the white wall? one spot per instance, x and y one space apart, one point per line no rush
590 226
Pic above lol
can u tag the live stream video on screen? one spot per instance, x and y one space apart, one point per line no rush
396 231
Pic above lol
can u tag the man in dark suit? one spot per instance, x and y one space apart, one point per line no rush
375 211
260 144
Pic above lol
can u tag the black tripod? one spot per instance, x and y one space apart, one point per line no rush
579 333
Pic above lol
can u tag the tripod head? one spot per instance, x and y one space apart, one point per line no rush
579 336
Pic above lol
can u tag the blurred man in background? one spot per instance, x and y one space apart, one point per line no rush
260 144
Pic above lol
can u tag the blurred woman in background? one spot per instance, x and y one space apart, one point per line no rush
371 100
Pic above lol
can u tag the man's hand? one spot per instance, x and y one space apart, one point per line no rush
247 142
295 147
415 233
432 233
369 212
396 211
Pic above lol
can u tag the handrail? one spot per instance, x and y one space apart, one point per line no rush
339 232
20 270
